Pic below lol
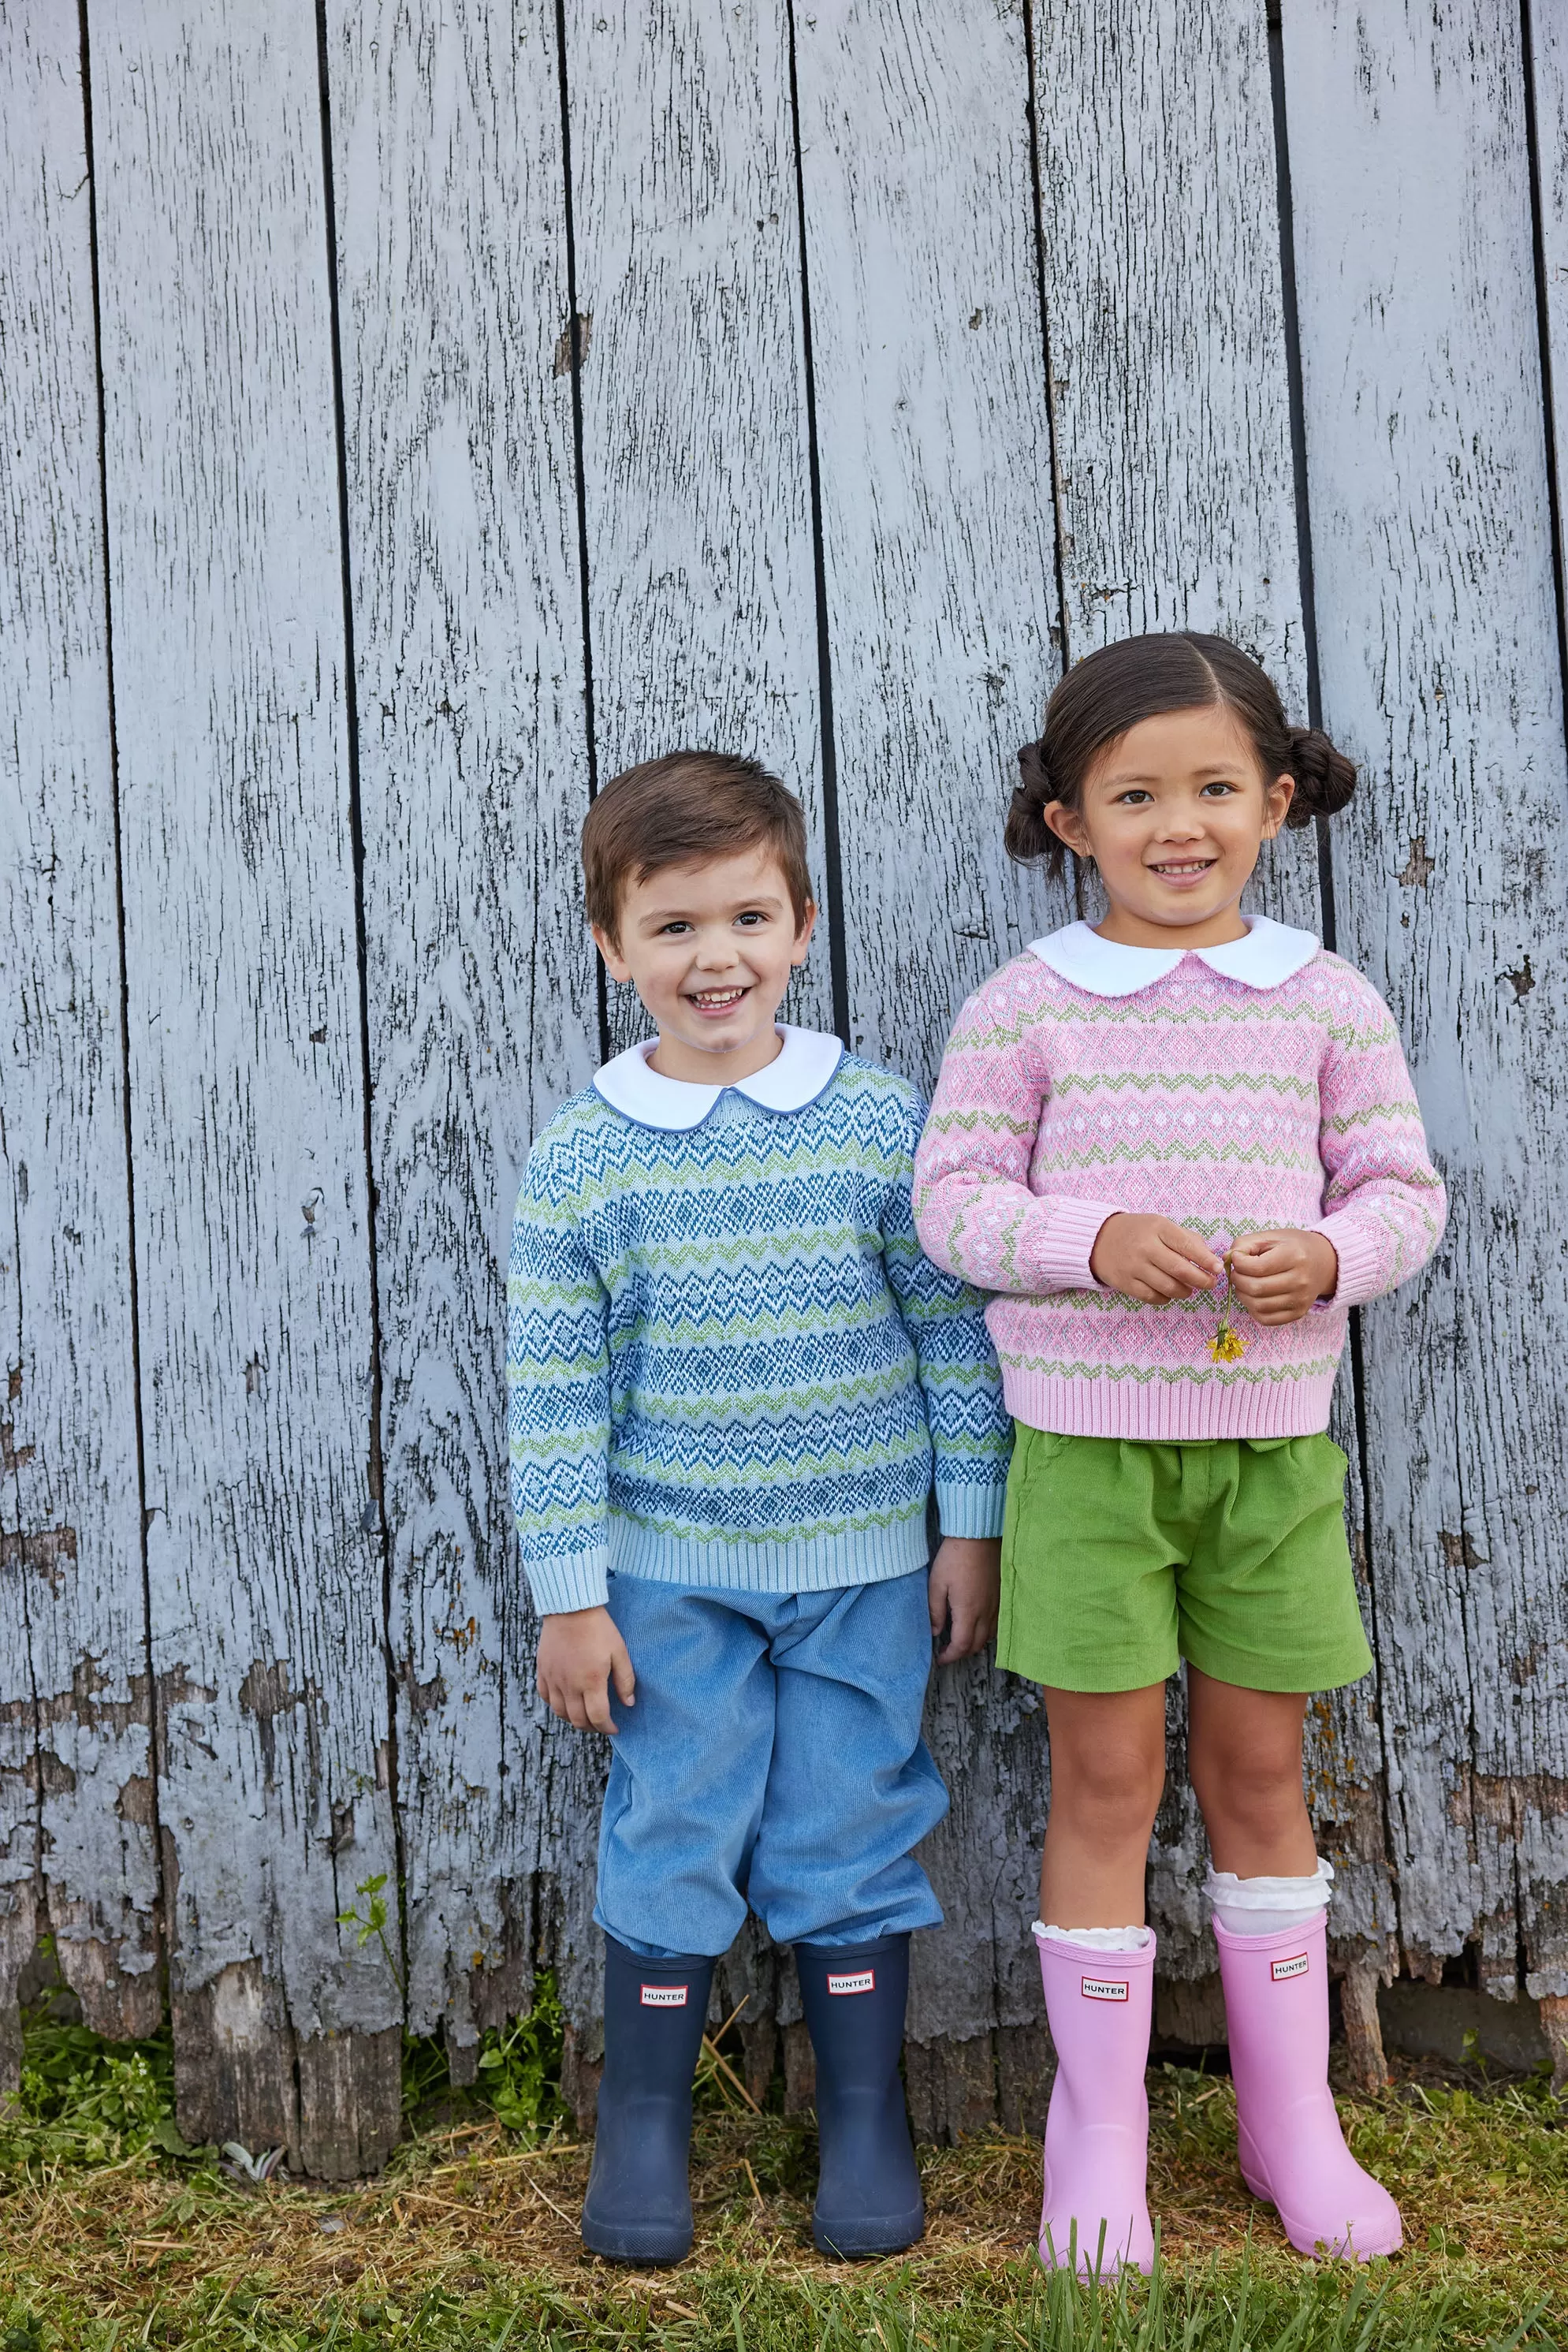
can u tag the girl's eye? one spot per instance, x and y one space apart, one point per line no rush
1221 790
1133 797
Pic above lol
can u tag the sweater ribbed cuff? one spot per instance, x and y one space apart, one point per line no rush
1059 1241
569 1580
1361 1260
972 1511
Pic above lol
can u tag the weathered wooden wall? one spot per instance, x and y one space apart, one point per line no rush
410 414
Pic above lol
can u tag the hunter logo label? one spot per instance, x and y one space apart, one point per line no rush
852 1981
1104 1988
1296 1966
663 1995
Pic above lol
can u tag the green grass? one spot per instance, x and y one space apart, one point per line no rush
114 2235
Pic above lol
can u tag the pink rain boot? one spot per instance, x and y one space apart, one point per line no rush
1095 2216
1292 2148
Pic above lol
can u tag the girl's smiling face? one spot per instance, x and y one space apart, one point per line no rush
1174 814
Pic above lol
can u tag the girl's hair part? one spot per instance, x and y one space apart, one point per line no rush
1117 687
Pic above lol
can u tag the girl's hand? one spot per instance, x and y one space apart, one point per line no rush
965 1591
1279 1277
581 1654
1152 1259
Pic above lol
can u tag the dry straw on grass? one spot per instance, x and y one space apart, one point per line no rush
470 2226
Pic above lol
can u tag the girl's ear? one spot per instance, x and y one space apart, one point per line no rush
1277 799
615 964
1069 826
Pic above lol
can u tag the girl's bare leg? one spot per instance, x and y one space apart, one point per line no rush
1107 1772
1244 1753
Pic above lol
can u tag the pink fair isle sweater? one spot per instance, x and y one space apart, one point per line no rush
1234 1089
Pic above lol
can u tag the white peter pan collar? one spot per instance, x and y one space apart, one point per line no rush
1269 954
796 1076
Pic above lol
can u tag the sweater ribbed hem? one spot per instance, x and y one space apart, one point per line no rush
1184 1410
568 1579
820 1563
1059 1245
1361 1259
972 1511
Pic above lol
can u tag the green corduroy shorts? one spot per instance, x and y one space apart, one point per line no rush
1120 1557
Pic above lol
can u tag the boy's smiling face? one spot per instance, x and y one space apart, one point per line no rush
709 949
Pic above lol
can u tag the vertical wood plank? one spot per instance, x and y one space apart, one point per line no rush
73 1660
1162 235
1549 63
695 465
934 452
1438 649
247 1096
1170 384
936 517
450 202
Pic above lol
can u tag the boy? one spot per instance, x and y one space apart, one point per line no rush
731 1373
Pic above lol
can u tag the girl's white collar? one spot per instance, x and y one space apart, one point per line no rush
1269 954
795 1077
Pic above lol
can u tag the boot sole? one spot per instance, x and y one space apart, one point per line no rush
856 2240
1351 2251
636 2243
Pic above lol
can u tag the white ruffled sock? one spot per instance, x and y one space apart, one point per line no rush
1268 1907
1094 1940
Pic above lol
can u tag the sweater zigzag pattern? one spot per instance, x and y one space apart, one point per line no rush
729 1361
1228 1108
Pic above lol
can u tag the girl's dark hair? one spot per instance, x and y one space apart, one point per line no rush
1114 687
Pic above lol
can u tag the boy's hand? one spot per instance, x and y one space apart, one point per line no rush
581 1654
965 1587
1279 1277
1152 1259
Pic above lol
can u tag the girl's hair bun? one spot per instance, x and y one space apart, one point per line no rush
1324 777
1028 834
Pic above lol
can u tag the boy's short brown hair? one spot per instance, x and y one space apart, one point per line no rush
686 809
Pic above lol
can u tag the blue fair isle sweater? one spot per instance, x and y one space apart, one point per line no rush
729 1362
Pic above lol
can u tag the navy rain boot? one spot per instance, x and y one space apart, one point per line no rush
638 2208
868 2192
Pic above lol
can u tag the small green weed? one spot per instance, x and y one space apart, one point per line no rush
519 2066
85 2101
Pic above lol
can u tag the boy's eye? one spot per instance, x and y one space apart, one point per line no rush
753 917
672 931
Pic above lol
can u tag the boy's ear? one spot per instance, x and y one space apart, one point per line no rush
615 962
803 936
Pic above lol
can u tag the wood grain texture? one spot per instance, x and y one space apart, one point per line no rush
1549 63
937 527
1438 649
246 1097
696 467
1169 382
75 1749
451 219
939 552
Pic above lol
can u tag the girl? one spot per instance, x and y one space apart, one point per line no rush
1181 1145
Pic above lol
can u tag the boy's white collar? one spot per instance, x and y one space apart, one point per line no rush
1269 954
796 1076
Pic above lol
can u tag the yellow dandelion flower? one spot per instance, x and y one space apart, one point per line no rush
1227 1346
